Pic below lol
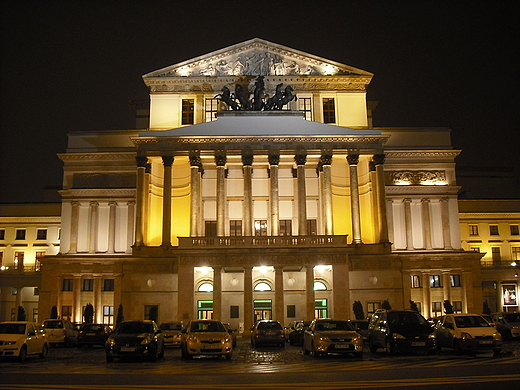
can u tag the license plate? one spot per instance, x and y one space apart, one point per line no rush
127 349
91 334
418 344
212 346
486 342
342 346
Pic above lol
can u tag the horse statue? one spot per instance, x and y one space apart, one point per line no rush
258 103
239 94
287 97
278 95
225 96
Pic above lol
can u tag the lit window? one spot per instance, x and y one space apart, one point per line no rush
108 315
188 107
515 253
212 106
435 281
205 287
329 112
263 286
457 306
436 309
373 306
455 281
320 286
261 228
416 281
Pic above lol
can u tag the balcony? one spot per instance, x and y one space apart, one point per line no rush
263 241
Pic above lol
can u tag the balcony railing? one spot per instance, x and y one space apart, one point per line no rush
13 269
498 263
262 241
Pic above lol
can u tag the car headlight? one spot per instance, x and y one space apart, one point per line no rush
357 340
147 340
432 336
111 341
398 336
466 336
193 339
497 336
226 340
323 339
9 342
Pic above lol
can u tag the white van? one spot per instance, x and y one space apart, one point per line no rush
60 332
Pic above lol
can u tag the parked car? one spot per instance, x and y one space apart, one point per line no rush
93 334
325 336
60 332
467 333
296 336
401 331
289 329
232 332
489 319
360 326
135 339
206 337
267 332
508 324
171 333
21 338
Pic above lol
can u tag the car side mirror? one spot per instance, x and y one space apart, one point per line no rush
31 333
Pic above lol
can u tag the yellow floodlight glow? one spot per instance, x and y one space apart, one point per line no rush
203 270
264 269
329 69
323 268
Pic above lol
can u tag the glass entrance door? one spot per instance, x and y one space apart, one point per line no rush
263 309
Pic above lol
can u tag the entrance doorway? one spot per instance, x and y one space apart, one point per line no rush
204 310
263 309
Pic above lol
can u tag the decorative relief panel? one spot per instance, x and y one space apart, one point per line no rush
415 178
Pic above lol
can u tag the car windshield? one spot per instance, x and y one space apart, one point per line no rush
12 328
134 328
333 325
53 324
92 328
361 324
269 326
512 317
406 318
471 322
168 326
209 326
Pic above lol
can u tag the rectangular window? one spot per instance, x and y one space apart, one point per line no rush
235 227
312 227
436 309
108 315
473 230
495 255
20 234
475 248
210 228
14 291
211 108
321 308
88 284
455 281
151 312
204 310
416 281
108 284
515 253
18 260
66 312
285 227
306 107
35 316
435 281
36 291
234 312
329 111
37 262
457 306
2 234
13 314
188 110
373 306
291 311
493 230
67 284
261 228
513 229
41 234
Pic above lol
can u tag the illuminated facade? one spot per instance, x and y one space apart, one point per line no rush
245 214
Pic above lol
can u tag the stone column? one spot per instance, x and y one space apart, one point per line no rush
139 198
18 301
426 295
93 219
98 306
217 293
427 229
300 159
379 160
74 224
130 226
446 286
374 198
274 160
247 161
408 223
390 216
353 160
248 298
310 297
220 160
167 202
341 291
146 202
445 217
111 226
326 190
195 195
77 313
278 295
186 293
468 303
118 292
407 293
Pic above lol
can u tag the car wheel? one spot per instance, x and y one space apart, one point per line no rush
372 346
44 351
110 359
23 353
389 349
359 355
153 355
457 347
228 356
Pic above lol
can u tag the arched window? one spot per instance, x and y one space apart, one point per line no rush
263 286
319 286
205 287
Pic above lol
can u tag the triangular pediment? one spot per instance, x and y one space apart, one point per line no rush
254 58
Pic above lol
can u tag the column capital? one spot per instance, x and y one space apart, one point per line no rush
300 158
353 159
93 203
141 161
274 158
167 161
379 159
247 158
425 200
372 166
220 158
195 160
112 203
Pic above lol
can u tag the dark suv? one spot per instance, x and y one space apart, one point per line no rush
135 338
267 332
400 331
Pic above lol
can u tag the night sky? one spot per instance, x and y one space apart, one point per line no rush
76 65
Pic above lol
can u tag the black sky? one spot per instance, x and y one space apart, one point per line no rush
75 65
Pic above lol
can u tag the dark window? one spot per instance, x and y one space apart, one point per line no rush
416 281
235 227
285 227
234 312
493 230
473 230
41 234
66 312
210 228
373 306
36 291
151 312
212 106
435 281
108 284
261 228
188 107
312 227
306 107
329 112
495 254
88 284
291 311
515 253
20 234
455 281
2 234
457 306
67 284
513 229
436 309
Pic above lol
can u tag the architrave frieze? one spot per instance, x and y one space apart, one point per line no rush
253 260
97 156
420 155
488 216
18 220
421 190
125 193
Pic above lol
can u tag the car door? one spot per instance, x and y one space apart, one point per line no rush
32 341
308 335
449 326
441 332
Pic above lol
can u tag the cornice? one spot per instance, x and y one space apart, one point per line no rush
30 220
421 153
74 193
489 215
97 156
421 190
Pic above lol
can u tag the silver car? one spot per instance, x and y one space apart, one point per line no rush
325 336
206 337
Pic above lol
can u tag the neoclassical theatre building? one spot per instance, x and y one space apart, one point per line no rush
239 201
